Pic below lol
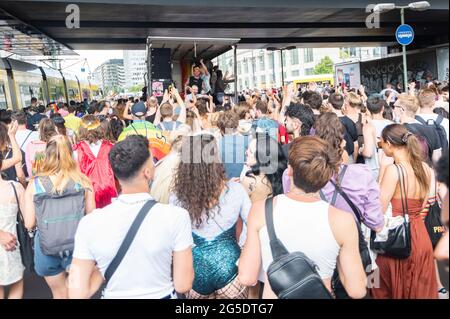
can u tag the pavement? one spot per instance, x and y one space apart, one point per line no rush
35 287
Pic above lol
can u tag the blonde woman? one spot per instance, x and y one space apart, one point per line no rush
58 196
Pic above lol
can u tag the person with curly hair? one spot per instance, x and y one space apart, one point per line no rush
215 205
329 128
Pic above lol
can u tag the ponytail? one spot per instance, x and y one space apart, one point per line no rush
399 136
416 158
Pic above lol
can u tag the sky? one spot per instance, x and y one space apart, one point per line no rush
94 59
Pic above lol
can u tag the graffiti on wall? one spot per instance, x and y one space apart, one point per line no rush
376 74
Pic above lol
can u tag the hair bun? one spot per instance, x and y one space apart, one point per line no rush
406 137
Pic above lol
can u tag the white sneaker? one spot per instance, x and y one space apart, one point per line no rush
443 293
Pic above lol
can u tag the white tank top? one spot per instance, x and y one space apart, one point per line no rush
380 125
303 227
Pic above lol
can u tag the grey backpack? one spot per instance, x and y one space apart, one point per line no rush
58 215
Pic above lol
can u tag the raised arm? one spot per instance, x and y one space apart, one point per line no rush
211 106
157 119
362 91
182 116
166 97
126 114
205 69
16 153
277 108
412 88
288 92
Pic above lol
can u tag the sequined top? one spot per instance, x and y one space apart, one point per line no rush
215 261
216 249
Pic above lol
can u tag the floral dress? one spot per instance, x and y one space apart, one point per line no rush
11 267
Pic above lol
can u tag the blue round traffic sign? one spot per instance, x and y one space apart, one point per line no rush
404 34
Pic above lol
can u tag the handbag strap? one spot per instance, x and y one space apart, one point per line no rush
19 211
276 246
128 240
26 139
403 190
354 208
338 182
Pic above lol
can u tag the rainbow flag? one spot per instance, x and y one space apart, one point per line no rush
159 146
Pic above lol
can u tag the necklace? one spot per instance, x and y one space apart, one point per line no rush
132 203
313 195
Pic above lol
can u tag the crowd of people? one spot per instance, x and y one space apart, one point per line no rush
168 198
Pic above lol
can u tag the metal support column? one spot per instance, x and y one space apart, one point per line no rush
235 74
149 68
405 63
282 67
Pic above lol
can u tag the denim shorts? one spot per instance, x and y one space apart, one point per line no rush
45 265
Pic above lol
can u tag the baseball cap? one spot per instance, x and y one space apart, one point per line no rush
139 109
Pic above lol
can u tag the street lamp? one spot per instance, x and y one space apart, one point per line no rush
292 47
416 6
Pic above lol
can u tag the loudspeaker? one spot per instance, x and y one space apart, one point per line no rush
161 64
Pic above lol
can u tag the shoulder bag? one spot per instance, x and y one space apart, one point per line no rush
25 238
291 275
398 243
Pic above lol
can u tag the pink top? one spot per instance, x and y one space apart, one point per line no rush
63 112
34 156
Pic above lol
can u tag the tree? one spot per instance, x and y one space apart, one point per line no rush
325 66
136 88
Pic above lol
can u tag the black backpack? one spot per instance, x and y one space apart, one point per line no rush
291 275
359 129
436 125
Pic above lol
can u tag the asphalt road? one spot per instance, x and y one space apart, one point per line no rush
35 287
